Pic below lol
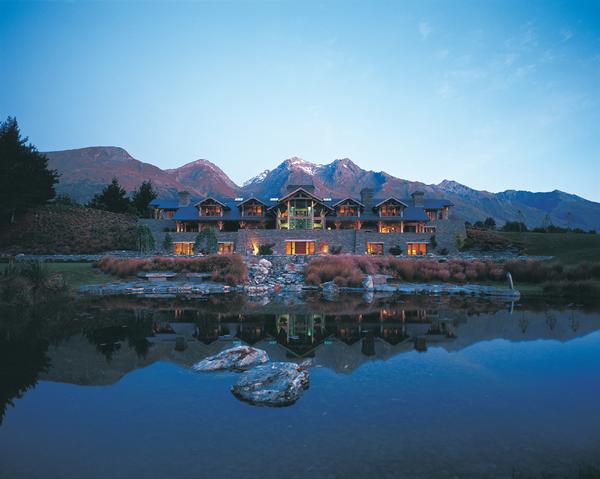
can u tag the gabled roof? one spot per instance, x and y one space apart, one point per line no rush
253 198
388 199
223 204
354 200
312 195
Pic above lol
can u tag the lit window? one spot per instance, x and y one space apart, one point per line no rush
375 248
225 246
416 249
184 248
300 247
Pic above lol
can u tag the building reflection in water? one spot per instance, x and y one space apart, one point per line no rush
300 335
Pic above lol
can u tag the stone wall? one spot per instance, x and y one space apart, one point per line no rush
351 241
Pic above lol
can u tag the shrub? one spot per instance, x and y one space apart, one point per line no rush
335 249
266 249
349 270
460 242
144 239
168 243
433 242
227 268
443 252
395 250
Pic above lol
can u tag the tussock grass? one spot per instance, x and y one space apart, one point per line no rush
225 268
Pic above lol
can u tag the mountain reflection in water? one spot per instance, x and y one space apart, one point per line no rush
351 343
104 343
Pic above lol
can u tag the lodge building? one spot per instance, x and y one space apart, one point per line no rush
303 223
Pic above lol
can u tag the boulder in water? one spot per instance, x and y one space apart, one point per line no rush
274 384
239 358
367 283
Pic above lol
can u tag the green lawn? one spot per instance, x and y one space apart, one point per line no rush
568 248
74 274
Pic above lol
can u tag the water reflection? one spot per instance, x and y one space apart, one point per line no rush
382 363
98 343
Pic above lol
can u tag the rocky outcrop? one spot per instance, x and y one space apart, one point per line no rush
157 289
274 384
274 274
239 358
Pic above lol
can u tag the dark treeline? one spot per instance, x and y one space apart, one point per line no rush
27 182
114 198
520 227
25 179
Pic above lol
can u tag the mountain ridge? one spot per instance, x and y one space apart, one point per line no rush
84 171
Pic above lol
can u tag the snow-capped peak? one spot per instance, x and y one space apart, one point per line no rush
300 164
257 179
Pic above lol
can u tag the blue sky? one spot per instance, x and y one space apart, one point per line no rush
496 95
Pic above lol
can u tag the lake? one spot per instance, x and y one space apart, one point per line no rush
415 388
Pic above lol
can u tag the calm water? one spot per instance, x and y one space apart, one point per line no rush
422 388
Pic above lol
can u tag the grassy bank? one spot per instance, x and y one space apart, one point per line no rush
577 281
568 248
74 274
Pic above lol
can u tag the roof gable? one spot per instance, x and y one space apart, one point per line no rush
253 198
307 193
391 199
211 198
348 198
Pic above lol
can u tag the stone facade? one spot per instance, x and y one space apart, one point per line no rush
247 241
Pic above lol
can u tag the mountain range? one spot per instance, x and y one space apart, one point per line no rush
85 171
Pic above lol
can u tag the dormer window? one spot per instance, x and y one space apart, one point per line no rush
211 210
390 210
210 207
347 210
348 207
252 207
252 210
390 207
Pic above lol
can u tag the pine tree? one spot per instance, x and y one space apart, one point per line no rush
168 243
206 241
142 197
520 220
145 239
25 180
113 198
489 223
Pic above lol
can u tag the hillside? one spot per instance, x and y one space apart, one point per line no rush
85 171
68 230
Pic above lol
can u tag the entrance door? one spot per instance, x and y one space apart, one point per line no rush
300 247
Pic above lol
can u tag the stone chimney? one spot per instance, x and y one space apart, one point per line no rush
183 198
417 197
366 196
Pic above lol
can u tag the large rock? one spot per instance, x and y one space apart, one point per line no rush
367 283
274 384
264 263
239 358
330 287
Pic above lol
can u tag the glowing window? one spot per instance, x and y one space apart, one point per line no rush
299 247
184 248
375 248
225 246
416 249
